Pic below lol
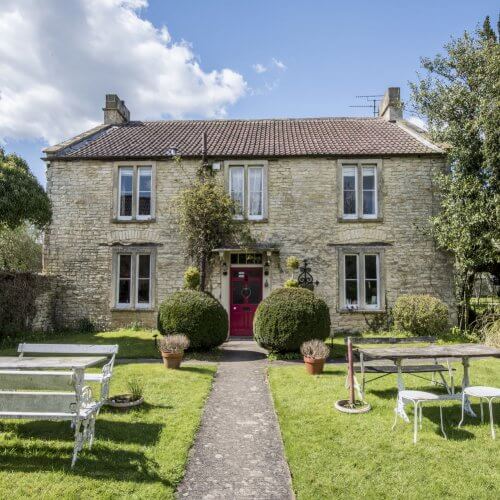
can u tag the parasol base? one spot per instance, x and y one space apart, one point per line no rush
344 406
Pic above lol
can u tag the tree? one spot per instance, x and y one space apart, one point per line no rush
22 198
20 249
206 218
459 97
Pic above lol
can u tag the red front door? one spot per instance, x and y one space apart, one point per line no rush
245 296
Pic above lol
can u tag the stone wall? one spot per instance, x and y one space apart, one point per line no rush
302 221
28 302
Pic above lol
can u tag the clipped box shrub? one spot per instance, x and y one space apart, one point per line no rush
289 317
420 315
195 314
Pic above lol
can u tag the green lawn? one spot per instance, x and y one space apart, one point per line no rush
133 343
335 455
141 454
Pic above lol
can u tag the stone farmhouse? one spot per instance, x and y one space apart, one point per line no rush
353 196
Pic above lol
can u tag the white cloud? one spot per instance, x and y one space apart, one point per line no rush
58 60
279 64
259 68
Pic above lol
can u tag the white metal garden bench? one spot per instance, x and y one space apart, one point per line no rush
102 378
50 395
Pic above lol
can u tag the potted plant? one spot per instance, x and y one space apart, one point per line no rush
315 352
133 398
172 349
292 263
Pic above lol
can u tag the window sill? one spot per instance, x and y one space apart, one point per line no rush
358 220
115 220
253 221
360 311
133 309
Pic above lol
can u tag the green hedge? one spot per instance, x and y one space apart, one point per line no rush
289 317
420 315
195 314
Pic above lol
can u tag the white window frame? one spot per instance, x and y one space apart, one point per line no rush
248 164
359 166
261 168
365 279
361 252
142 168
134 303
243 204
121 173
358 291
375 191
124 305
356 194
135 167
143 305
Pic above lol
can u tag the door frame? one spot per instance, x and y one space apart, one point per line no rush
223 268
242 266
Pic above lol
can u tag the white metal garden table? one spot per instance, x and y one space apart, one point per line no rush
457 351
77 363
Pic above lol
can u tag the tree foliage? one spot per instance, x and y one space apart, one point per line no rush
459 96
22 198
20 249
206 218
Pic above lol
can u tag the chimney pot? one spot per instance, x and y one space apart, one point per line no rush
115 111
391 108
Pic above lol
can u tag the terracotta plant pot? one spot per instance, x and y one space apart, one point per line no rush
172 360
314 366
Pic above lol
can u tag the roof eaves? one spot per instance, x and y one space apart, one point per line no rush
214 157
417 133
58 149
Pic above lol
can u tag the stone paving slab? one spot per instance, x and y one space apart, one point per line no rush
238 452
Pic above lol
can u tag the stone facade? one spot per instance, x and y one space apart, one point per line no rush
303 220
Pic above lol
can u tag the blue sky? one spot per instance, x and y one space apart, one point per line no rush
239 59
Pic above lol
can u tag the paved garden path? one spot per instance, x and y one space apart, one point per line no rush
238 452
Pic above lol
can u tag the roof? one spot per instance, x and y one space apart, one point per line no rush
248 138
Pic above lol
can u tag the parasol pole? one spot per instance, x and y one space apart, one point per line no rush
350 372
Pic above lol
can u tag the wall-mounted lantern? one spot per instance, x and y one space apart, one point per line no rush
223 264
267 264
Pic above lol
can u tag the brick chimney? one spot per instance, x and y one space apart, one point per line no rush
391 108
115 111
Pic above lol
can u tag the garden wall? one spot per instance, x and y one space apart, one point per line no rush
28 302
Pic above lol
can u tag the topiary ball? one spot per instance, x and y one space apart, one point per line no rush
195 314
288 317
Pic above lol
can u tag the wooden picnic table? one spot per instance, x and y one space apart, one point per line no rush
459 351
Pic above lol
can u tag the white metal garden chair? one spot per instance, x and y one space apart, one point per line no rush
481 392
417 398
